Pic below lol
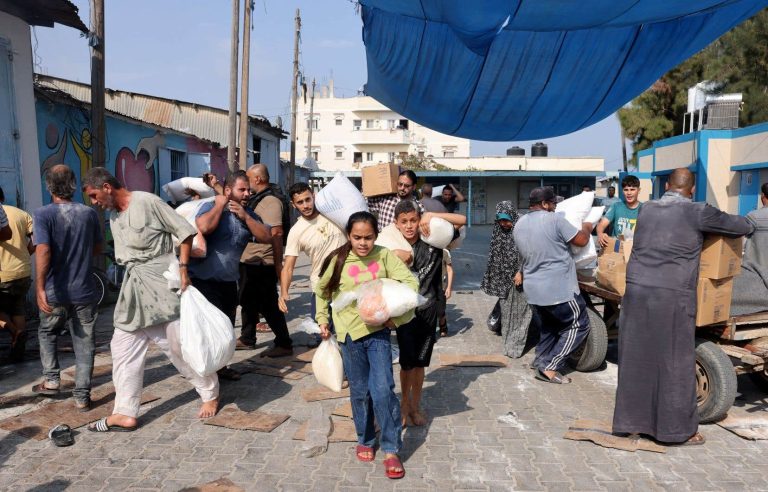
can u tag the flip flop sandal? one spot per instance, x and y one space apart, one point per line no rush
101 425
61 435
556 379
364 449
42 389
695 440
392 464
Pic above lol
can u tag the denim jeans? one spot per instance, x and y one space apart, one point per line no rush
83 318
368 366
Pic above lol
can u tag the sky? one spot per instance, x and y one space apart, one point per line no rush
180 49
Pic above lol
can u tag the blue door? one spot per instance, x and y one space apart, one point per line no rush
748 190
9 131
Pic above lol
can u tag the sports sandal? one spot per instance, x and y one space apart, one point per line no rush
360 451
61 435
101 425
556 379
393 468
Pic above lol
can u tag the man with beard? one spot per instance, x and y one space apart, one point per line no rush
656 394
147 310
228 226
313 235
383 207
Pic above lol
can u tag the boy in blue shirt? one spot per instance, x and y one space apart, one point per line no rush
622 216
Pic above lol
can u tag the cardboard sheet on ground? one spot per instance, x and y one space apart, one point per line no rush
467 360
296 365
599 432
318 392
98 371
232 417
343 410
220 485
343 431
274 369
305 356
754 427
36 423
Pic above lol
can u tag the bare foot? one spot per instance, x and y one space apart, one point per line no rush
418 418
121 421
208 409
405 414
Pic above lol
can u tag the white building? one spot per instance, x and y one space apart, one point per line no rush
353 131
19 157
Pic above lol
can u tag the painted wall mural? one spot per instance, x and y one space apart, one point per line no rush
132 149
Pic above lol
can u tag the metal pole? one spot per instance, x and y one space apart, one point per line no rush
244 133
311 117
294 89
232 123
98 130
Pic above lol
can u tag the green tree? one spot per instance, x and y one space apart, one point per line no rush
736 62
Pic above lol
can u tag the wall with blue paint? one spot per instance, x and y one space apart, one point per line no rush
132 149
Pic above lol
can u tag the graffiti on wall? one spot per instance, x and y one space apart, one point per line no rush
135 169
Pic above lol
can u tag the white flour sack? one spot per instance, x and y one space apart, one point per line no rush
576 209
340 199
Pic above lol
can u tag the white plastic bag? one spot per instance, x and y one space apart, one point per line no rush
340 199
189 211
576 210
308 325
206 334
327 365
177 189
172 275
379 300
440 233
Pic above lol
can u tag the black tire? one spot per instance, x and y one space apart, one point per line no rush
715 381
101 286
591 355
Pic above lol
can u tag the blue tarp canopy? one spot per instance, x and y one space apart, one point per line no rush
529 69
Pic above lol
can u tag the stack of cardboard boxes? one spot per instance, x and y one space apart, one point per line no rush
720 262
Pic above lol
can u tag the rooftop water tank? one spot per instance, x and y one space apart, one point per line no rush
516 151
539 150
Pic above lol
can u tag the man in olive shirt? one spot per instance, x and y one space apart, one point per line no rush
260 268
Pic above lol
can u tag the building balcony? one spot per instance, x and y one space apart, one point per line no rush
378 136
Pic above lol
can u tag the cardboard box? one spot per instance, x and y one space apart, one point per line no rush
380 179
713 300
612 265
720 257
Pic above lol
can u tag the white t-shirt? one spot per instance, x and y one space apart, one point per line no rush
317 238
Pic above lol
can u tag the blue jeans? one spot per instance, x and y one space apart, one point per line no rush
368 366
83 319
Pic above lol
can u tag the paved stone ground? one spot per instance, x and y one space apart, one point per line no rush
464 446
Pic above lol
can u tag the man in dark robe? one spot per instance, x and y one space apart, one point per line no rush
750 289
656 395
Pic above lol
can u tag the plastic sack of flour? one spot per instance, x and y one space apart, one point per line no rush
189 210
206 334
340 199
440 233
177 189
327 365
576 210
379 300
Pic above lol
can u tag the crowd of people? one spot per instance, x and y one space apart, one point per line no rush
252 253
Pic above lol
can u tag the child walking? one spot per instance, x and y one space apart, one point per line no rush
366 350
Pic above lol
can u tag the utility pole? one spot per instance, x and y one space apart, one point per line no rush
311 122
294 102
98 130
232 126
244 133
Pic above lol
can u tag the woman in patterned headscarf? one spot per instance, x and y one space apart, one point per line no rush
503 280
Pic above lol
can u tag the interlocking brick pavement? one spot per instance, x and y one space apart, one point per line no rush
464 446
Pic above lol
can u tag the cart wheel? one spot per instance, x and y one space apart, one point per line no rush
715 381
591 354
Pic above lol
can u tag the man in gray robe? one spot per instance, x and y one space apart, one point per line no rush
750 289
147 311
656 395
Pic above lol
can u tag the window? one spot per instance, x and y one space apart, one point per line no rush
370 123
421 154
358 157
403 124
179 168
391 124
338 122
369 156
448 153
314 155
256 149
356 124
339 154
312 123
391 157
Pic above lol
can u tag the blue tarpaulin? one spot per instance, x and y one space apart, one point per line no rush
529 69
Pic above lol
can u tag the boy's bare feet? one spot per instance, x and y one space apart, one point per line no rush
208 409
418 418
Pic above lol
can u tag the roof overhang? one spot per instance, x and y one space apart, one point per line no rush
44 13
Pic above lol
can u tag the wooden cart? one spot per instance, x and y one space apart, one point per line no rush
723 350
